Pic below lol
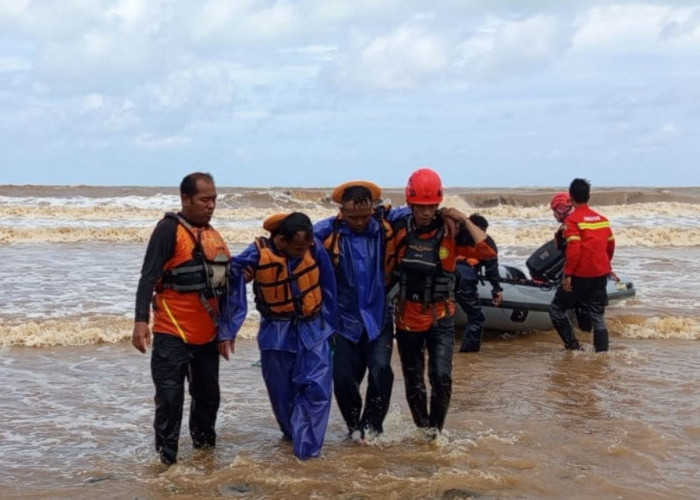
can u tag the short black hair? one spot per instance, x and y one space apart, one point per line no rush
479 221
580 190
294 223
188 185
357 194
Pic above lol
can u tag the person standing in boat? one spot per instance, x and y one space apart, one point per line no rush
187 264
467 293
425 265
295 293
357 240
590 246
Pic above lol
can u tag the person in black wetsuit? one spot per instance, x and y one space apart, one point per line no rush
467 294
186 265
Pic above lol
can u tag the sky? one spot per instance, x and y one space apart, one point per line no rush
489 93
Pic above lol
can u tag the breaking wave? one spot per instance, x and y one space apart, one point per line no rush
113 329
529 236
81 331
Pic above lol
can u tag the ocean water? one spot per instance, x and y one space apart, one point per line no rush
527 419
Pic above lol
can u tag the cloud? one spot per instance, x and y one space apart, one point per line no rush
502 48
245 22
149 141
360 81
209 85
400 60
638 29
101 113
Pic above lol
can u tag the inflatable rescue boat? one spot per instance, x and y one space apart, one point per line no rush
526 299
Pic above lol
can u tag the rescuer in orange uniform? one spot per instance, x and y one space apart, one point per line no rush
590 246
186 263
424 273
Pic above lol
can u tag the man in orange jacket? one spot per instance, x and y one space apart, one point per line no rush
425 266
590 246
186 263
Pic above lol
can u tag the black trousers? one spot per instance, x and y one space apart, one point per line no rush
589 295
173 361
350 363
467 295
438 342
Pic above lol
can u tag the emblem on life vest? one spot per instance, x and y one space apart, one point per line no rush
444 253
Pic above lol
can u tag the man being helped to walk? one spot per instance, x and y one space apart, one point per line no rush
356 240
590 246
425 261
186 263
295 293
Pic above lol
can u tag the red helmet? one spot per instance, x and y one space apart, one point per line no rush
561 205
560 199
424 187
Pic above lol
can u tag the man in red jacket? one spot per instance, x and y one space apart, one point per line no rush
590 246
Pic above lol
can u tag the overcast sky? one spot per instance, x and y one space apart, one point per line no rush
314 93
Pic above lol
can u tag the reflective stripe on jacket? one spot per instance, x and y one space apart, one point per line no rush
590 244
184 313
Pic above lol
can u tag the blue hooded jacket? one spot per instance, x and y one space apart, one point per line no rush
360 275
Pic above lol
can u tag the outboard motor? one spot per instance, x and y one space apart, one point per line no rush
546 263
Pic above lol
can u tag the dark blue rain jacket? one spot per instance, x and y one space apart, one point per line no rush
360 275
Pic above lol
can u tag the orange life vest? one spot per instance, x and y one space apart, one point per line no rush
274 296
187 296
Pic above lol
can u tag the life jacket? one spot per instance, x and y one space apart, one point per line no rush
274 296
426 267
193 281
332 241
207 271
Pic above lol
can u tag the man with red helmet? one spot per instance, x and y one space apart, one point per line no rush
561 208
590 246
424 267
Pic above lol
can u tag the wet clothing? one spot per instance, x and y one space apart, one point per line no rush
173 361
438 341
364 341
351 361
295 352
590 246
183 338
467 295
426 264
591 297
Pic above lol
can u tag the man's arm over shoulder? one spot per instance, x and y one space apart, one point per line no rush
324 227
235 308
483 250
393 214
